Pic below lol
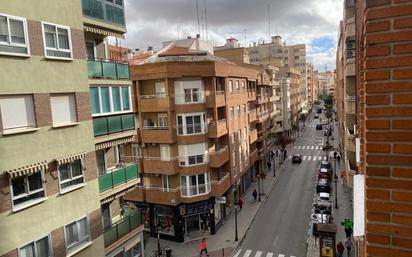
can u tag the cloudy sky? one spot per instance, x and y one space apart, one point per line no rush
314 22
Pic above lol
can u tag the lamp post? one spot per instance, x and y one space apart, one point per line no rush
336 182
159 252
236 237
274 166
258 177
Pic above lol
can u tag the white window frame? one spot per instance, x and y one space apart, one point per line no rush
165 158
57 42
26 36
161 116
166 182
238 111
49 239
94 48
111 101
192 93
29 203
81 246
231 86
188 187
203 123
232 112
73 187
237 85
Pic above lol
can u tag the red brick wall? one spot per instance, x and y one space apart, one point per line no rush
58 244
385 115
96 225
42 109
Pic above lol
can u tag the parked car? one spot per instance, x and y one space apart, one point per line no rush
297 158
319 127
323 185
319 218
325 173
325 165
323 200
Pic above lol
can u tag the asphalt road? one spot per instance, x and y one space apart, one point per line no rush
281 225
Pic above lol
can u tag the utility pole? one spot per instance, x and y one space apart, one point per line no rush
336 182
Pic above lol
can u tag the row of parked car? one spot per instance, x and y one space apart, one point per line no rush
322 201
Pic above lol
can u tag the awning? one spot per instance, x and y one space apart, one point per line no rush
102 32
115 196
27 170
114 142
70 158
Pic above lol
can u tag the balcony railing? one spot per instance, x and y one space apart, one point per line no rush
117 177
113 124
105 11
122 228
192 129
107 69
192 191
193 160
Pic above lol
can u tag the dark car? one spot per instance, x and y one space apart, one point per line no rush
325 174
319 218
325 165
326 132
323 186
319 126
319 110
296 158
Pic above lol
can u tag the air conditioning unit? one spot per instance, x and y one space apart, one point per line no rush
350 45
350 53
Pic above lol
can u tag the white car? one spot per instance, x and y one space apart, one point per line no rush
323 200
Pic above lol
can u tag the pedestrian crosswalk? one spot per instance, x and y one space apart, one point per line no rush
311 158
307 147
251 253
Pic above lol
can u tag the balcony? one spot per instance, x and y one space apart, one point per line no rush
262 115
349 67
122 228
156 165
191 194
111 13
274 98
216 100
113 124
251 95
218 130
254 156
156 134
261 135
262 98
154 103
218 157
253 136
118 179
221 186
349 140
350 104
100 69
136 195
252 115
165 196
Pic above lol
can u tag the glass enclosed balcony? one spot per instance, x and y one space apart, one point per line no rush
118 177
107 11
122 228
101 69
113 124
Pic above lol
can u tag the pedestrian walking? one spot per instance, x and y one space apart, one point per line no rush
348 244
340 249
203 248
240 203
348 232
254 194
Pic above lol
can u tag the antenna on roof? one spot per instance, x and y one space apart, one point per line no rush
207 35
197 13
270 54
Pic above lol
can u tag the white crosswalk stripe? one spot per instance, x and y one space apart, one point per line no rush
319 158
304 157
237 253
299 147
281 255
258 254
269 254
248 253
312 147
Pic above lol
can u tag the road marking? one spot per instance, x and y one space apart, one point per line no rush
312 147
269 254
281 255
237 254
258 254
309 158
292 256
319 158
304 157
247 253
289 156
324 157
299 147
276 240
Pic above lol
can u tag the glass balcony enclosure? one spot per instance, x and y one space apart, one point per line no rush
107 69
113 124
118 176
110 11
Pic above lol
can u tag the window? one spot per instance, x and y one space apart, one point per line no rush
166 182
37 248
230 86
296 57
232 138
238 110
192 95
17 112
232 112
195 184
194 154
112 99
237 85
27 190
189 124
233 158
164 152
63 108
244 108
101 161
76 234
57 41
162 120
160 89
70 175
13 35
243 85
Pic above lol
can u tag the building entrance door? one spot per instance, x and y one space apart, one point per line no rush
192 224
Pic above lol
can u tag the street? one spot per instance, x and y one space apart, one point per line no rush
281 225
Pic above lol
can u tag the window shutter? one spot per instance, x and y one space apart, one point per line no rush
63 109
17 111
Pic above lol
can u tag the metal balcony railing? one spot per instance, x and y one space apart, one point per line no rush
118 176
122 228
102 69
113 124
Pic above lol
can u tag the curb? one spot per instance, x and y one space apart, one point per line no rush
236 246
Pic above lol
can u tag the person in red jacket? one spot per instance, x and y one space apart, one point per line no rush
339 249
203 247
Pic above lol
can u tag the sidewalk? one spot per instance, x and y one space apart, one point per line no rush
344 210
222 243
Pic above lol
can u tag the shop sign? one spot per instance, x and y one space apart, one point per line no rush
220 199
197 208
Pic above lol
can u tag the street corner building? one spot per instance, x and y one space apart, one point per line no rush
66 114
204 126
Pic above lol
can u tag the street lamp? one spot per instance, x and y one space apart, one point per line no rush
258 176
274 166
336 181
236 237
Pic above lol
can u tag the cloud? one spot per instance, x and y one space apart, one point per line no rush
150 22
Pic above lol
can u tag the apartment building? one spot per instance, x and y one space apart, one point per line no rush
289 84
200 138
114 118
233 52
326 82
48 174
312 89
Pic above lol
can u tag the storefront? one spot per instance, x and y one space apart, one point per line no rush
199 218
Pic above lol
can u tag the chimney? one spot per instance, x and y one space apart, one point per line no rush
150 48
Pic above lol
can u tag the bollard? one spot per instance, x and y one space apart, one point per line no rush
223 252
